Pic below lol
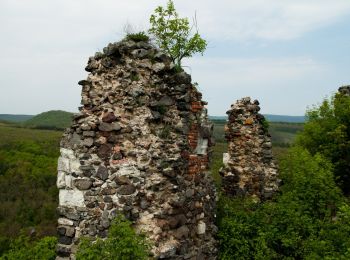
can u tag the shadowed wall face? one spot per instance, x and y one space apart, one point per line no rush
139 147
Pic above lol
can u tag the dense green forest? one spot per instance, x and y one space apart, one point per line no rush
28 194
308 219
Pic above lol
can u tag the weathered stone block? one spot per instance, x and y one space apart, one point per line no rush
126 189
71 198
65 222
83 184
102 173
63 164
61 180
201 227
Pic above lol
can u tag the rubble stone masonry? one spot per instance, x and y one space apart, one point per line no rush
138 147
249 168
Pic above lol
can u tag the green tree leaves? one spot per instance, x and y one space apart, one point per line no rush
309 219
173 34
122 244
28 193
25 249
328 132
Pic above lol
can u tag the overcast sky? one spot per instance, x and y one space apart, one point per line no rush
288 54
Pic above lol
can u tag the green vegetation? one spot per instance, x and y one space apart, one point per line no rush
14 118
28 194
173 34
54 119
285 119
122 243
265 124
138 37
328 132
309 219
284 134
216 161
24 248
134 77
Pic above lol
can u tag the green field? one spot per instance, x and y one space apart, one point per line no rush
282 134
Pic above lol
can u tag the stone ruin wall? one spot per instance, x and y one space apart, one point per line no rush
344 90
249 168
139 146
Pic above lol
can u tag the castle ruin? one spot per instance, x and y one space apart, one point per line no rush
139 147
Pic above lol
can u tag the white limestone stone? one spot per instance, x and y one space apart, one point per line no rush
71 198
69 181
67 153
202 146
63 164
226 158
61 182
65 222
201 228
158 66
128 170
74 165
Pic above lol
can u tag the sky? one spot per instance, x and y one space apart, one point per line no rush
288 54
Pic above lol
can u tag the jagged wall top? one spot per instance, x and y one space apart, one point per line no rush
139 146
249 167
345 90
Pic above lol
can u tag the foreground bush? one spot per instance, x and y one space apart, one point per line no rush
122 243
23 248
309 219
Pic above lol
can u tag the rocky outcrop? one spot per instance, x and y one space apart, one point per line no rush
249 168
139 147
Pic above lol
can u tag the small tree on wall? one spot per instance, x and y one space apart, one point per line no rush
174 34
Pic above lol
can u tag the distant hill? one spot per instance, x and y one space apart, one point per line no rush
15 118
287 119
58 119
271 118
54 119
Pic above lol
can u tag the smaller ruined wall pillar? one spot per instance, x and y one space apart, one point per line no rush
249 168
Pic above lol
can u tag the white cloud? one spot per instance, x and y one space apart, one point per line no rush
45 44
86 21
265 19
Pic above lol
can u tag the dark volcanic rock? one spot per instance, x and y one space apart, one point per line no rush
82 184
126 189
102 173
